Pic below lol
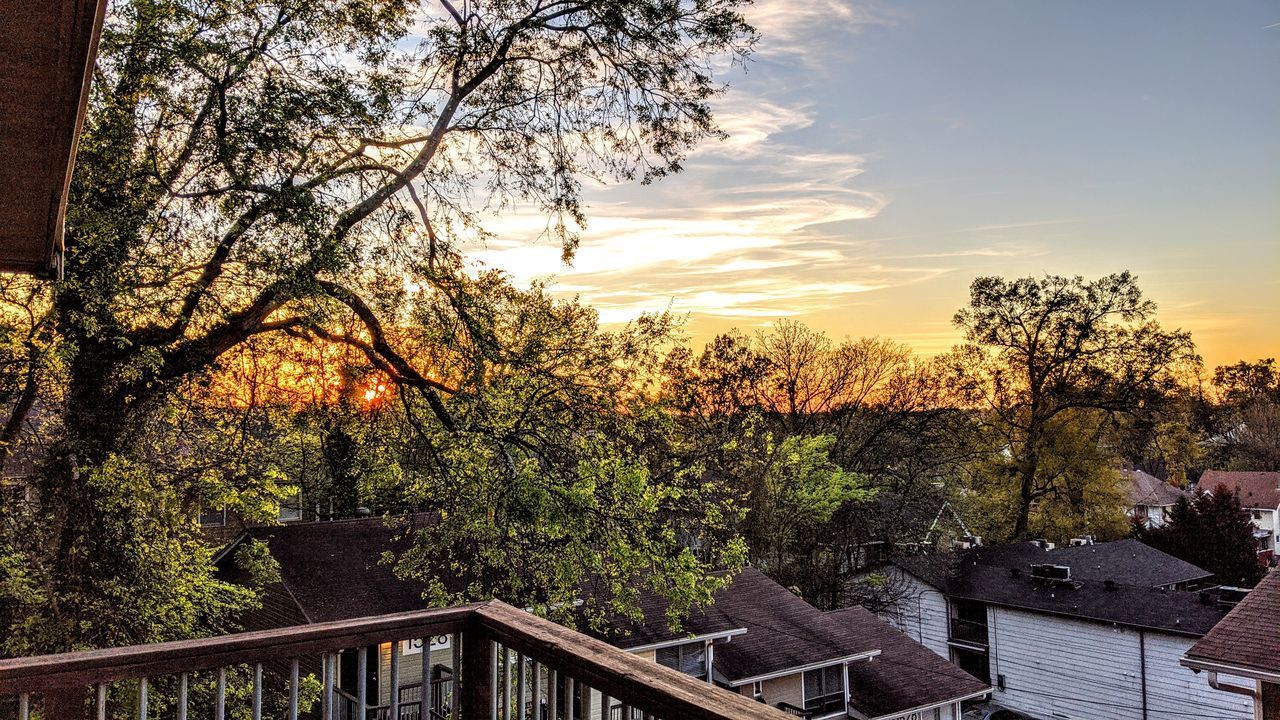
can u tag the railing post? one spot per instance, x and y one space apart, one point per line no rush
476 683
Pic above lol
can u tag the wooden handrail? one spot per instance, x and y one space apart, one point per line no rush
85 668
647 686
619 674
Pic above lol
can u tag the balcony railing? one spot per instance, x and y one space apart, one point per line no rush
506 665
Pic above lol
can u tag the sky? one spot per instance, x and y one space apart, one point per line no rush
883 155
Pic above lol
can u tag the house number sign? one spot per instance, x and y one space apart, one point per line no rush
414 647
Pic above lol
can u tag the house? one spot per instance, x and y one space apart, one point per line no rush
1149 498
1259 494
1246 644
758 639
1094 631
905 681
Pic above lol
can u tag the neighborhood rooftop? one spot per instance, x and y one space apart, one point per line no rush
905 675
1144 489
1256 489
1123 583
1248 637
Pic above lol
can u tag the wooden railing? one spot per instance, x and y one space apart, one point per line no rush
507 665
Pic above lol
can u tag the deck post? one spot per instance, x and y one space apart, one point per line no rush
477 684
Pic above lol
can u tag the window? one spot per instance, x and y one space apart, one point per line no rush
824 689
757 689
689 658
291 505
213 516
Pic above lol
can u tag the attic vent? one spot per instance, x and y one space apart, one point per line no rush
1051 573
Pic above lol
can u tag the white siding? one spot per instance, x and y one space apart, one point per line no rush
920 611
1063 669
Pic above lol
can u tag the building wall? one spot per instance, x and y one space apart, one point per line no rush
410 668
1063 669
920 611
786 689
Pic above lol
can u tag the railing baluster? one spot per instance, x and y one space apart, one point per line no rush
257 691
553 691
362 682
425 696
494 664
536 672
100 701
220 699
142 699
504 694
585 692
455 701
395 679
520 714
569 699
182 697
24 706
293 689
326 697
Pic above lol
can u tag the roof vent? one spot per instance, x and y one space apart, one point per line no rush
1015 573
1043 544
1109 584
1082 540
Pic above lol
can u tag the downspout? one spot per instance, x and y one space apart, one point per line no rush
1228 687
1142 659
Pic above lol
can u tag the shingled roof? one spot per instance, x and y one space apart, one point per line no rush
1248 638
1136 596
1256 489
905 676
1144 489
334 571
783 631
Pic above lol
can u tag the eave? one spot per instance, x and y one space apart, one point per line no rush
47 51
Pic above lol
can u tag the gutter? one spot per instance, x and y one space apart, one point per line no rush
1216 667
922 708
709 637
802 668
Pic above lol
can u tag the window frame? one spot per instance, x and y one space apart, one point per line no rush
681 649
839 690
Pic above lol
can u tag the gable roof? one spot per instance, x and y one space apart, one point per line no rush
1256 489
1249 636
1127 561
783 632
1144 489
334 571
1137 596
905 675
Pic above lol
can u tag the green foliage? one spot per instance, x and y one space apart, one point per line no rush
1213 532
169 594
1039 348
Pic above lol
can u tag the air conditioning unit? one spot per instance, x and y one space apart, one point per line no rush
1043 544
1083 540
1052 573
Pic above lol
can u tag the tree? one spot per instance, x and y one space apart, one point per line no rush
1213 532
1244 415
250 169
1039 348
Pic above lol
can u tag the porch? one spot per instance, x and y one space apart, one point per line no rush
504 664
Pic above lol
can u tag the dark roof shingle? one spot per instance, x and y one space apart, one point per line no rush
1134 598
905 675
1249 636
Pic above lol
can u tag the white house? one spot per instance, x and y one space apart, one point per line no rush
1149 498
1094 632
1259 494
